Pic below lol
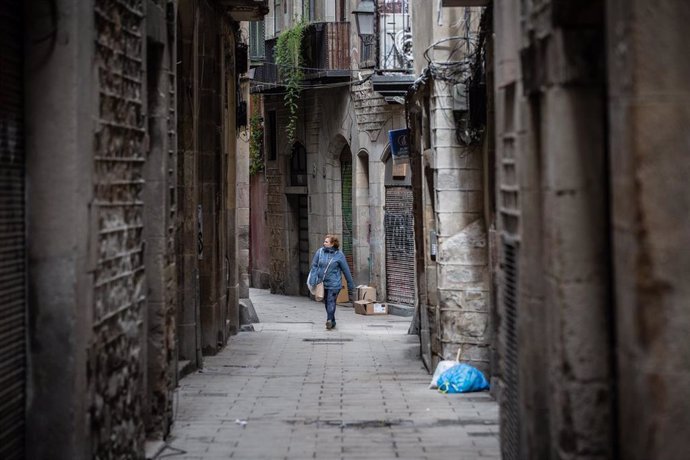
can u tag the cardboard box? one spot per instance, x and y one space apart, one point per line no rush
365 292
367 307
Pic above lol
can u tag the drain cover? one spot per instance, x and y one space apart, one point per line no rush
324 340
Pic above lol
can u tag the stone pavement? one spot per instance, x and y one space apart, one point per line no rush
293 390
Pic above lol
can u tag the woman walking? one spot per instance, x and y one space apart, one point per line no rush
327 265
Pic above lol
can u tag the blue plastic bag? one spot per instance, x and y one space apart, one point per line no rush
462 378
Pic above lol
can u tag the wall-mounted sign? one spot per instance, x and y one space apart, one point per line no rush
400 143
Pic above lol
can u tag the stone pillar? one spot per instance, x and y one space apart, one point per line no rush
649 169
462 262
59 153
242 197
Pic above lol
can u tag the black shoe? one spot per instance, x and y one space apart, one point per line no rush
333 325
329 325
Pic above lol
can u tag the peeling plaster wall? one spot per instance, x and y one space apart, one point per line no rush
649 119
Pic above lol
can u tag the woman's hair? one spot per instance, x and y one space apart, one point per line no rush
334 240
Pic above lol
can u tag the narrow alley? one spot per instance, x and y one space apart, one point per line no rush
293 390
506 181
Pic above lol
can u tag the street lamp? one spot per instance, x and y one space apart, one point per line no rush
364 17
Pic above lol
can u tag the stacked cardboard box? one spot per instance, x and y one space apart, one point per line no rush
366 303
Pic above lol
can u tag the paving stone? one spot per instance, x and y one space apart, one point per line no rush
356 392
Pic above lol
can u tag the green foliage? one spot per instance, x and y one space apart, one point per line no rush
288 53
256 140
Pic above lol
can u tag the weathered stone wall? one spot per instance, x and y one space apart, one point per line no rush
456 283
462 262
207 267
60 166
649 167
551 179
242 200
116 357
188 326
277 203
160 217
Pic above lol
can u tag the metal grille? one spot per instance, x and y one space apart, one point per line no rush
395 34
346 181
510 421
400 271
12 234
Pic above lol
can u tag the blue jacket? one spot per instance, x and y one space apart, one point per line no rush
338 265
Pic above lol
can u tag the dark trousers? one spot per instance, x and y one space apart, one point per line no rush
329 301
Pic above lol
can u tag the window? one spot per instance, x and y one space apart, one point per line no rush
298 166
257 40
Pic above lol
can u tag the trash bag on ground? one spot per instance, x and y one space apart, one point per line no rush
442 367
462 378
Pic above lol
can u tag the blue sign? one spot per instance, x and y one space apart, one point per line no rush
400 142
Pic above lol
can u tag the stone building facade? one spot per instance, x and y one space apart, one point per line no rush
341 187
100 198
451 168
590 155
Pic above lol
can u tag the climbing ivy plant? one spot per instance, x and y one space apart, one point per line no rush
256 140
289 58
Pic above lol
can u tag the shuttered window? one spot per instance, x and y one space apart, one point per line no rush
12 234
400 271
257 40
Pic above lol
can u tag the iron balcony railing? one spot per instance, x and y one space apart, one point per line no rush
326 48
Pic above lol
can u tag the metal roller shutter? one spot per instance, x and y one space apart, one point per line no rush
510 427
400 263
346 181
12 234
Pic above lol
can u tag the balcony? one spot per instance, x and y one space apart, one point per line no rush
327 51
245 10
326 57
265 78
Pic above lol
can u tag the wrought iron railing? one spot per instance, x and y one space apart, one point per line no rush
326 54
326 48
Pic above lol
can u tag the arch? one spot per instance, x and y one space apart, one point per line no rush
335 147
385 153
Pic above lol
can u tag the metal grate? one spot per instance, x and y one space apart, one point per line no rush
510 422
12 234
324 340
346 199
400 262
